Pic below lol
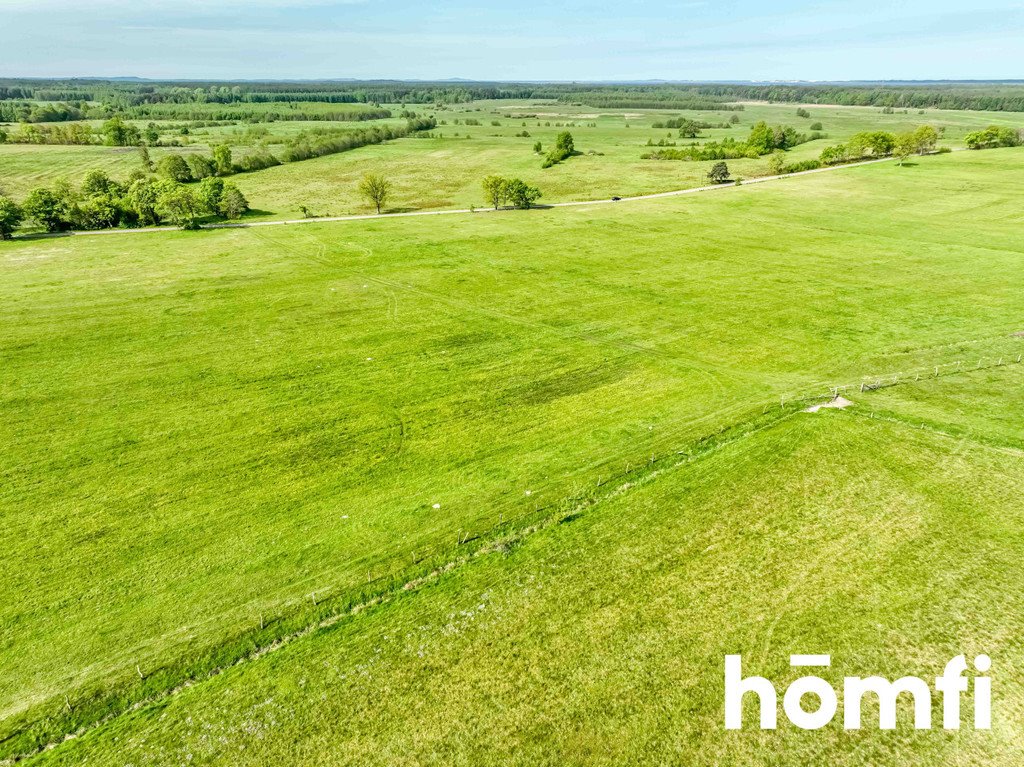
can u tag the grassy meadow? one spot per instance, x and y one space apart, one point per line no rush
600 640
445 170
219 439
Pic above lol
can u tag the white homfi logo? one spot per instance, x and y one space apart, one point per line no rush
952 684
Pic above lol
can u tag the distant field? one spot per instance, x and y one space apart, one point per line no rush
445 171
249 110
24 167
212 432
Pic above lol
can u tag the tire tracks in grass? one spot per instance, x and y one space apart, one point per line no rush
348 601
335 608
330 575
338 607
712 373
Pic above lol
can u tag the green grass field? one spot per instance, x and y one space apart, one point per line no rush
600 640
218 439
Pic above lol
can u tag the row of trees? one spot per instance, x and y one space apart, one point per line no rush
26 112
195 166
309 145
102 203
882 144
763 139
986 97
691 128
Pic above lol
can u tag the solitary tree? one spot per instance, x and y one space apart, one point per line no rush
46 209
833 155
116 132
563 149
375 189
144 158
233 203
222 159
926 137
521 194
179 204
719 173
762 138
200 167
211 192
99 211
11 217
904 146
689 128
142 200
777 162
97 182
175 167
496 190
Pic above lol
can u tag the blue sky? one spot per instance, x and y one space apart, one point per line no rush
514 40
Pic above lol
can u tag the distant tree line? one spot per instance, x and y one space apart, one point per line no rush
691 128
763 139
120 96
306 146
15 111
997 97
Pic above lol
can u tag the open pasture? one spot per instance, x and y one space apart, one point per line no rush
317 413
600 640
445 170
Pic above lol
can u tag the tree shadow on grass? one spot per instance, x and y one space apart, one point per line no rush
38 236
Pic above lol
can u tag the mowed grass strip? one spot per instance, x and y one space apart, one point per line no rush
601 641
207 430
